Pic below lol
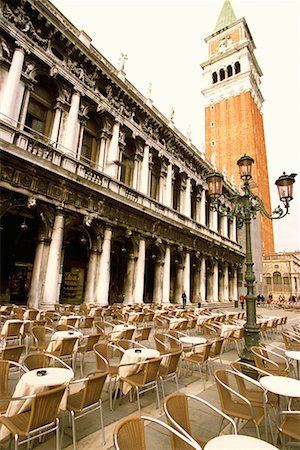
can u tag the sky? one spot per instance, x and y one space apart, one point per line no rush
164 44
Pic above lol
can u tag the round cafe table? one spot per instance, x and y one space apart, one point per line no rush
192 340
237 442
134 355
294 354
34 382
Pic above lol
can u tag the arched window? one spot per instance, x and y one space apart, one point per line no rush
89 145
127 161
214 77
277 278
222 74
39 116
229 71
237 67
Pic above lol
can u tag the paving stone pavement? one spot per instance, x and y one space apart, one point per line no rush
88 433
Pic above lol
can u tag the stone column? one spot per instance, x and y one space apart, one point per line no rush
221 283
144 181
203 279
166 276
113 152
157 288
233 229
187 199
102 286
11 90
138 293
24 108
128 282
224 226
168 196
102 153
234 284
197 283
226 283
35 285
52 280
186 276
202 208
213 220
135 175
72 125
89 294
215 282
56 125
178 284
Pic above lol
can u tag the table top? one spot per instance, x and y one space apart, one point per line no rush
237 442
293 354
290 387
66 334
142 353
194 340
54 376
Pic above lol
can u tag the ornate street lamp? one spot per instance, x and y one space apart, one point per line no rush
245 208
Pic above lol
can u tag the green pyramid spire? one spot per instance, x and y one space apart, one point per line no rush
226 17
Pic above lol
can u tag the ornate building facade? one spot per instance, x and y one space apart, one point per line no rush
102 198
282 275
233 113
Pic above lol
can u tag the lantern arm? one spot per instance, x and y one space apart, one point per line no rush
278 212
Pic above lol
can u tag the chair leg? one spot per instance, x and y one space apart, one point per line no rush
57 440
157 396
138 399
101 421
73 429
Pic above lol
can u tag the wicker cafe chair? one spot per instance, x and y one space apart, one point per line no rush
87 347
86 400
168 369
289 427
129 434
12 353
65 349
40 339
38 360
6 369
40 419
178 413
110 355
143 381
271 362
200 357
235 404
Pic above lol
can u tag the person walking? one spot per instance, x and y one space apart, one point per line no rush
242 300
183 298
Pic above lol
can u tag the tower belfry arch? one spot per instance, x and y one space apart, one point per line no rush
233 108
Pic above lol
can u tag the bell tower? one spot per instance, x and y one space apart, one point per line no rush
233 108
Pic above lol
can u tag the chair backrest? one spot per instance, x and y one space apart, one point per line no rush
92 390
36 360
12 353
160 342
225 397
216 347
102 349
66 346
14 329
169 363
150 369
39 334
45 407
129 434
92 339
177 412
